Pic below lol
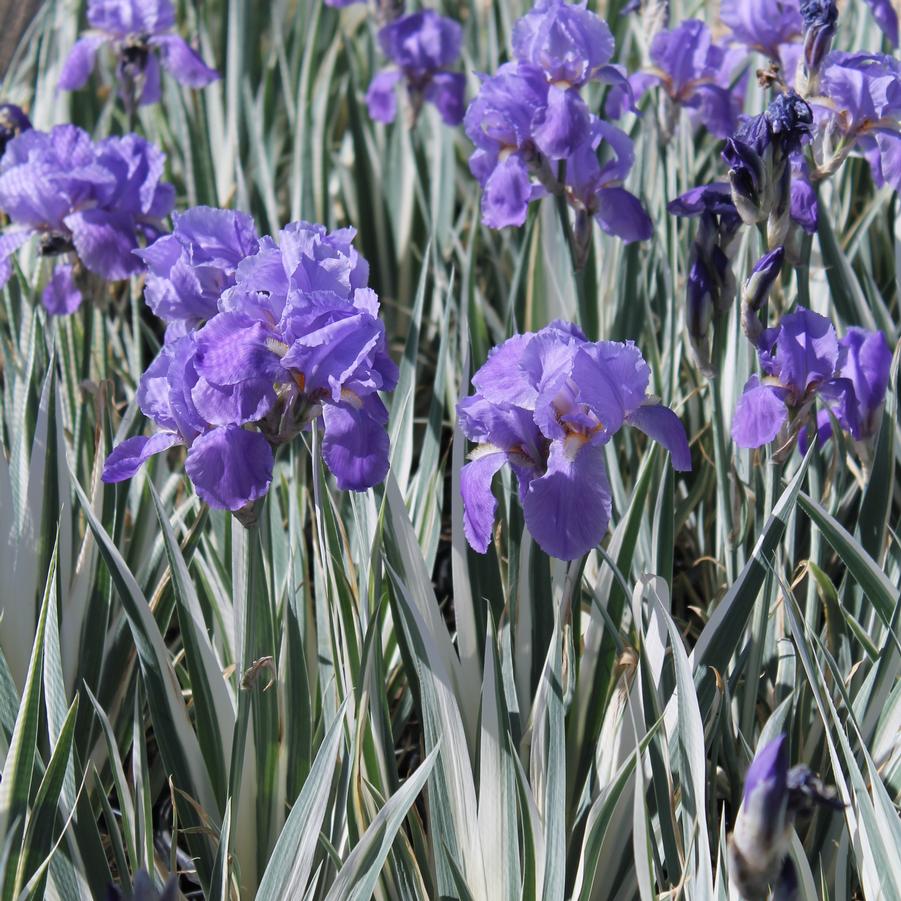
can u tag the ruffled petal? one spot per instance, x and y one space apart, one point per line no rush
104 242
61 296
80 62
505 200
355 446
230 467
381 98
447 91
567 510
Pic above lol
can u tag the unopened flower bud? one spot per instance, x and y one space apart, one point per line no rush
772 796
700 305
756 290
820 18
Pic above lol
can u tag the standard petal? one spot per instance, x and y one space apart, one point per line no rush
80 62
759 414
232 348
183 61
620 213
61 296
479 503
381 98
563 125
662 424
806 349
126 459
567 510
230 467
355 446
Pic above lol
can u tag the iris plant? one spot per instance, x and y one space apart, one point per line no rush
137 30
546 403
422 45
802 360
92 201
294 337
535 135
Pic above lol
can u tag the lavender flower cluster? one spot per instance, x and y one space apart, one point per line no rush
92 200
264 337
267 335
535 135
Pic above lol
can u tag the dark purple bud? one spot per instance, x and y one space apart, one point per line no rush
789 119
820 18
699 298
748 178
805 789
757 289
765 272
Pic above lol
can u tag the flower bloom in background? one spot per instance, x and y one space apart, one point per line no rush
188 270
546 403
534 134
763 25
136 30
295 338
13 122
886 16
694 73
773 797
801 359
94 200
422 45
860 112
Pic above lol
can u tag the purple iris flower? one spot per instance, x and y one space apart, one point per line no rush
534 134
136 29
422 45
13 122
96 200
801 360
886 16
865 94
695 74
546 403
763 25
773 797
508 162
295 337
190 268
